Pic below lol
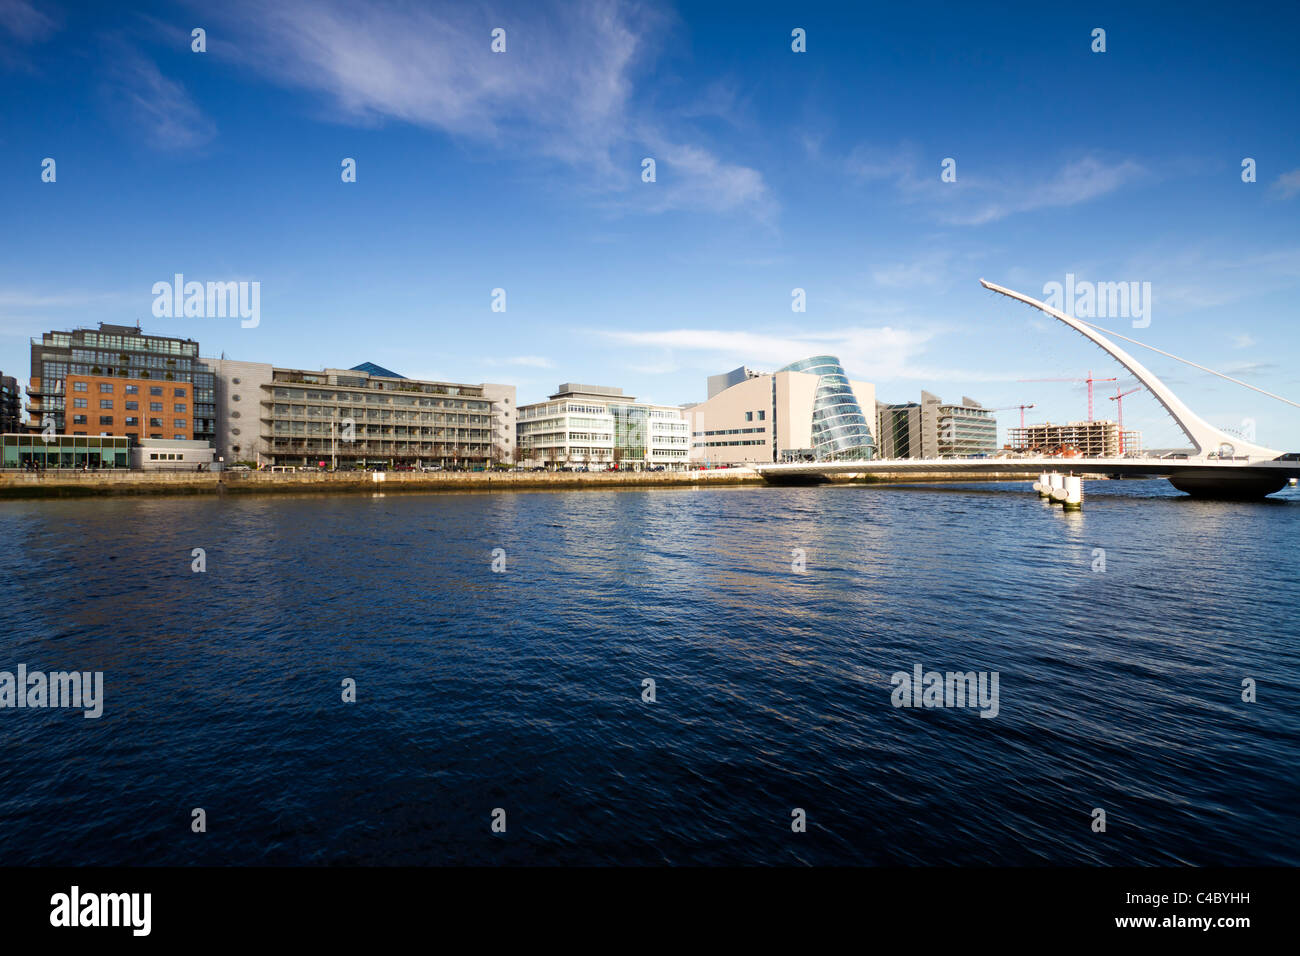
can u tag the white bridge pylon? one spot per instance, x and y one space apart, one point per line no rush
1199 432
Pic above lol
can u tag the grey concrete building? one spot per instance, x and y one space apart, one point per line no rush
933 428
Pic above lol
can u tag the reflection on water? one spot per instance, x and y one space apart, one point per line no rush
1119 689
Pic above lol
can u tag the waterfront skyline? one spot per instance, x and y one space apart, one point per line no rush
776 170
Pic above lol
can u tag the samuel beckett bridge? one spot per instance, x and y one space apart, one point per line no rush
1219 465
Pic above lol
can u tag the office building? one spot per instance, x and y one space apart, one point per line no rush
898 430
363 416
119 352
809 409
933 428
137 408
599 427
11 404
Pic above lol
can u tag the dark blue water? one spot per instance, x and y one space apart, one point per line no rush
1119 690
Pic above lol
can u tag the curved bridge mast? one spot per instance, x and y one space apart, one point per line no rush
1204 436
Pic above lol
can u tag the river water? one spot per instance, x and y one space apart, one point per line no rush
770 620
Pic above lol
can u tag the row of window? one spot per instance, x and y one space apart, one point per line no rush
107 404
136 437
107 388
132 421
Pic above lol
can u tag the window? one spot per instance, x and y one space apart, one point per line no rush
153 456
132 406
178 393
749 416
80 387
78 419
78 403
155 406
234 398
762 416
132 422
106 403
155 434
179 437
155 390
235 381
106 387
106 419
179 407
133 390
155 423
179 423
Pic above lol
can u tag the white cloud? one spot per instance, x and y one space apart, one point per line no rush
979 196
528 361
564 89
160 109
24 22
1288 184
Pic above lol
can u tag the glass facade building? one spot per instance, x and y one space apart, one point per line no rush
599 427
64 451
840 427
117 351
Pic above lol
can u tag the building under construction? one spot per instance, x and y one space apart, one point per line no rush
1085 439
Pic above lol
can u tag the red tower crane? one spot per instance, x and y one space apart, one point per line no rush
1007 408
1118 399
1089 380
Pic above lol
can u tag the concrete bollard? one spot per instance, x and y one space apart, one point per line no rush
1056 486
1041 486
1073 493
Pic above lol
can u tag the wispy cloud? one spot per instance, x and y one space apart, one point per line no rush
527 361
876 354
25 23
22 26
1288 184
980 196
563 90
156 109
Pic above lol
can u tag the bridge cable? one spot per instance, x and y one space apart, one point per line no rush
1235 381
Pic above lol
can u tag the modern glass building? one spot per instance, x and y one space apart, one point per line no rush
807 410
599 427
840 426
118 351
64 451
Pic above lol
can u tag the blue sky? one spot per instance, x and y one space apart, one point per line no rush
775 170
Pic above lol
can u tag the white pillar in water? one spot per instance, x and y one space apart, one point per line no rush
1073 493
1041 486
1056 482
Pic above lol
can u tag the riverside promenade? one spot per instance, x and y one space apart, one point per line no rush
79 484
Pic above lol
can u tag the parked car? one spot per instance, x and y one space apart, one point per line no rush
403 468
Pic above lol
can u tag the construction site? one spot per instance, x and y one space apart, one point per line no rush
1097 439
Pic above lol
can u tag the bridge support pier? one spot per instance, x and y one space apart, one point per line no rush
1228 487
1073 493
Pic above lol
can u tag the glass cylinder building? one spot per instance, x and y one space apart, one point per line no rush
840 428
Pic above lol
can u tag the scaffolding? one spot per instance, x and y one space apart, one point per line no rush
1097 439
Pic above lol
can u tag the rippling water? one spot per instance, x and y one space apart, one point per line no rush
522 690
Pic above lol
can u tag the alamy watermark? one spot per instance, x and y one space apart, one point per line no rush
212 300
1101 300
952 689
37 689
